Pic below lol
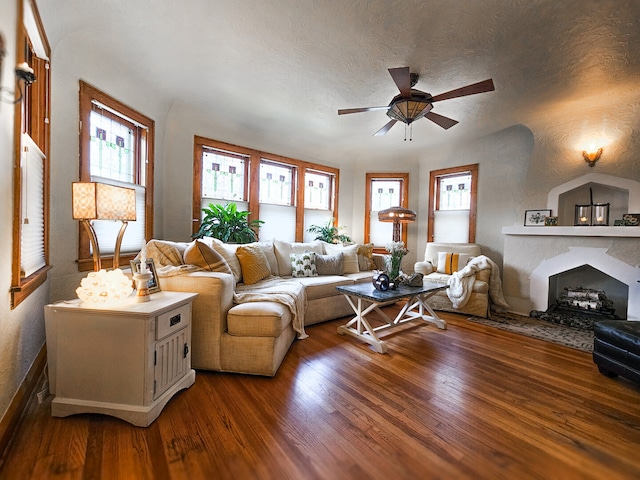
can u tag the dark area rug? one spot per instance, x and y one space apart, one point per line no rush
540 329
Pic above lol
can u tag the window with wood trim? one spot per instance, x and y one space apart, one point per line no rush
452 204
31 160
287 194
116 147
384 190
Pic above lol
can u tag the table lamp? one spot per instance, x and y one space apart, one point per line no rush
100 201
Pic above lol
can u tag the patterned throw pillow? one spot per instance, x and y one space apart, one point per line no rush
202 255
330 264
452 262
365 257
254 263
303 264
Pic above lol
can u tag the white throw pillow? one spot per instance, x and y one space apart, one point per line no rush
350 255
283 250
449 262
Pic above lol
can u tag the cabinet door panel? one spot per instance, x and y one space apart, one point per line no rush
173 360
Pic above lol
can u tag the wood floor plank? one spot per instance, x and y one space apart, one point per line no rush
470 401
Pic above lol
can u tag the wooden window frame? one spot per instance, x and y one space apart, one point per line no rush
404 203
434 196
253 176
31 116
88 94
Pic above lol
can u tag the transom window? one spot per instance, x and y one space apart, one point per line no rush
223 175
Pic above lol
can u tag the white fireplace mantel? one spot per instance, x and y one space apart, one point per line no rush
586 231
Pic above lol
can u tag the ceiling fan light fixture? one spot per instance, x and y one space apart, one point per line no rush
409 109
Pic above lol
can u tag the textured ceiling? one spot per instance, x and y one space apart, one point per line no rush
285 67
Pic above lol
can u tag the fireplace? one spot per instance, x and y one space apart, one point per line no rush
539 261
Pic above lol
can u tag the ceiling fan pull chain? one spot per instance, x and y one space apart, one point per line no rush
405 132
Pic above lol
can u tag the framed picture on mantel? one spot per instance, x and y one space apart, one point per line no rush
535 218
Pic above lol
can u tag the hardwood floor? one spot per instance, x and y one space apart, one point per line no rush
467 402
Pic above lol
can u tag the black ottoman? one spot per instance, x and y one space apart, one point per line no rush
616 348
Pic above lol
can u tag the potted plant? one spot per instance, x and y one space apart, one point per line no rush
329 233
226 223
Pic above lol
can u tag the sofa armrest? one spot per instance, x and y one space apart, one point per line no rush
209 314
424 268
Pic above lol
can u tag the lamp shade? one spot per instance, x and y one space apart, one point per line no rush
397 215
99 201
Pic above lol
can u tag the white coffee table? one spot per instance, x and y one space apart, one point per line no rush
364 299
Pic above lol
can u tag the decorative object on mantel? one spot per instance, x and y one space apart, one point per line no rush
551 221
631 219
594 214
535 218
592 155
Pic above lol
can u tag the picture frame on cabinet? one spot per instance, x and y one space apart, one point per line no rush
154 284
536 218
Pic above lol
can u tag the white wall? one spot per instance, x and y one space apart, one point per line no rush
21 329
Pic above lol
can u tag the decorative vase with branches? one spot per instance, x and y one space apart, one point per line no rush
393 261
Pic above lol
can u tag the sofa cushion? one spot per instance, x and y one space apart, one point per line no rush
253 262
258 319
165 253
449 262
323 287
303 264
350 253
202 255
330 264
228 251
365 257
284 249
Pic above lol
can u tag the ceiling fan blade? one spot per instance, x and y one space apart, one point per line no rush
402 77
345 111
444 122
480 87
385 129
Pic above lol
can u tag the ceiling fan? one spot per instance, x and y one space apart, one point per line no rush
411 104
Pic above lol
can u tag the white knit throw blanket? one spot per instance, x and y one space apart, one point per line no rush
461 282
275 289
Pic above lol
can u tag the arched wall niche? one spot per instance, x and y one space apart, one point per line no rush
622 194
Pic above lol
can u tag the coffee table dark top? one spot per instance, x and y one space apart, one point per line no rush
368 291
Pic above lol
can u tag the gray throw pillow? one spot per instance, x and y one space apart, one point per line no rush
330 264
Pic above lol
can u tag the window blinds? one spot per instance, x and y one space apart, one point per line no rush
32 256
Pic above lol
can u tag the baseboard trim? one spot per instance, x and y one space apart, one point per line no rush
11 420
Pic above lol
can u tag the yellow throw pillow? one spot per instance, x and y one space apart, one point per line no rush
452 262
254 263
202 255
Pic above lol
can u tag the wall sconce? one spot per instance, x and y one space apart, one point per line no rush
24 74
592 156
397 215
99 201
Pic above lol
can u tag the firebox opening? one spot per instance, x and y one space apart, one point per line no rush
586 276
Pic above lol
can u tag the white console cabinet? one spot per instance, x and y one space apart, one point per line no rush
122 360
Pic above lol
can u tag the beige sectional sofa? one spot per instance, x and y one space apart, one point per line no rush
253 337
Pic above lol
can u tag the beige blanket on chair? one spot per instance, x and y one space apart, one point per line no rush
274 289
461 282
